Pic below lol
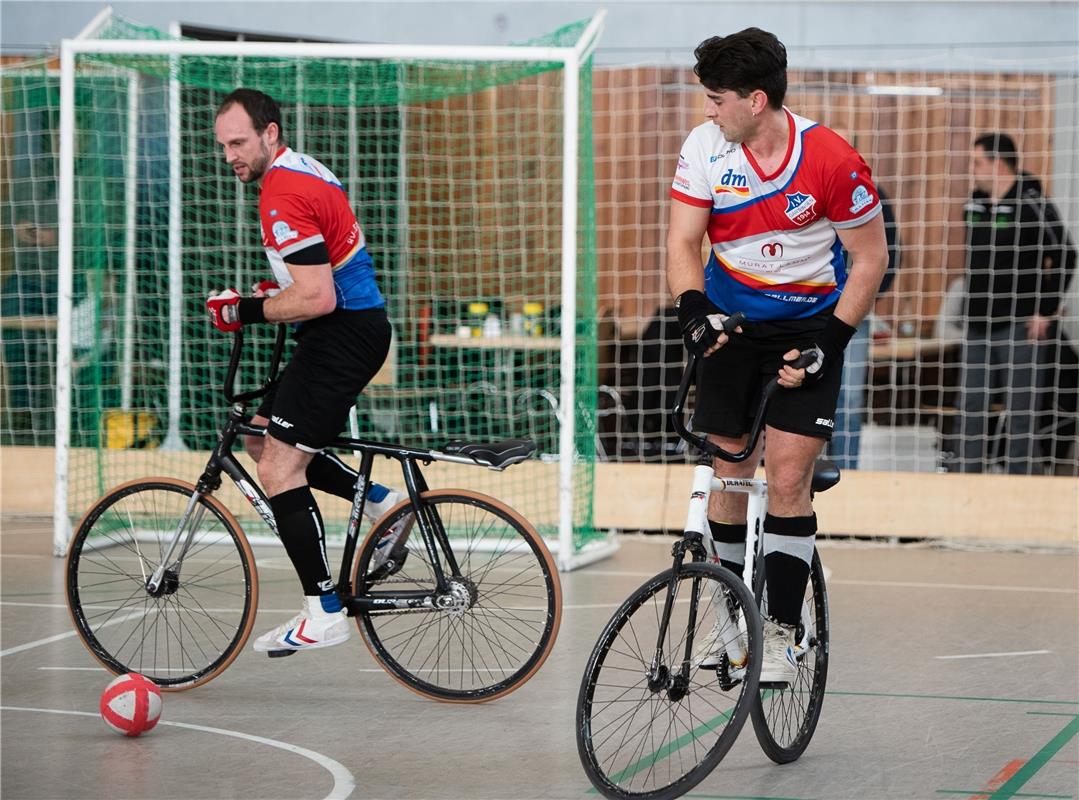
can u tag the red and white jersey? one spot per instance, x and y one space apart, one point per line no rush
302 203
775 253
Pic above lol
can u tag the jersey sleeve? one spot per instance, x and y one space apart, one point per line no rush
290 223
852 197
690 183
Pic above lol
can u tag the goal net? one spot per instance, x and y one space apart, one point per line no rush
469 171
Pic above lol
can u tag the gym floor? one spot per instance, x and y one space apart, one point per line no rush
953 673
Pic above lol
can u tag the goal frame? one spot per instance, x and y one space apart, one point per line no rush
571 60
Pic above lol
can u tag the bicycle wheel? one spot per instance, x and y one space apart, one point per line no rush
784 718
643 730
202 614
501 614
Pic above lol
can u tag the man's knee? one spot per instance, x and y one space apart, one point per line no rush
282 467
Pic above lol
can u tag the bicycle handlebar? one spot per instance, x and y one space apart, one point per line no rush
689 376
234 362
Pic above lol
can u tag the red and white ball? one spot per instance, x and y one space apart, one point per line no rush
131 704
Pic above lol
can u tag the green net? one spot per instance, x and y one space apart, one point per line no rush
455 171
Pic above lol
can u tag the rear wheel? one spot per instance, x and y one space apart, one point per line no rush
499 617
785 716
198 620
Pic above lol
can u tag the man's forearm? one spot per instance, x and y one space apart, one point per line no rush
861 290
684 268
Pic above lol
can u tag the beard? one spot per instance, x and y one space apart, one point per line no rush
257 168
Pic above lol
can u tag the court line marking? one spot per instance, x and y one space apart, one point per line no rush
344 783
997 655
1012 786
59 636
892 584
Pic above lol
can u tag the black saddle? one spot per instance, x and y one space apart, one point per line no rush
825 475
494 455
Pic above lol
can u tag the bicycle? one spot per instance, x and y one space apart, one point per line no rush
639 732
161 579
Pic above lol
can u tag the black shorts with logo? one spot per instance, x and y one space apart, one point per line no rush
335 357
729 382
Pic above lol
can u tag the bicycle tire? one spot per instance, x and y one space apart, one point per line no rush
460 655
785 719
198 625
626 771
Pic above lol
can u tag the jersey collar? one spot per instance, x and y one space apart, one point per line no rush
786 157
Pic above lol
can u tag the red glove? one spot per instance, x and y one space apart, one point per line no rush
266 288
223 311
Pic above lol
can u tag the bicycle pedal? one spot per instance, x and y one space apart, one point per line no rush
279 653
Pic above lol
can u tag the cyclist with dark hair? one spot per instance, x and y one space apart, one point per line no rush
324 282
780 198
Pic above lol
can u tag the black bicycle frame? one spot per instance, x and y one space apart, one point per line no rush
434 535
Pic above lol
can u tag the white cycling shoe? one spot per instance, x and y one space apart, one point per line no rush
311 629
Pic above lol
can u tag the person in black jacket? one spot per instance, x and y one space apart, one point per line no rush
1019 261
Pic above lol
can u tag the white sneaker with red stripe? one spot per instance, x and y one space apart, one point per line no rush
312 628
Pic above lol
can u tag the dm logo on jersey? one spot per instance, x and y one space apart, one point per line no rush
800 207
733 182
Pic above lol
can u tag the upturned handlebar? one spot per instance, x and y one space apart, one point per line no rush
688 378
234 362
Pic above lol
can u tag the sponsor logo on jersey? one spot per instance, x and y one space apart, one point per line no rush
683 182
825 423
284 423
772 250
733 182
682 163
859 199
282 232
800 207
730 149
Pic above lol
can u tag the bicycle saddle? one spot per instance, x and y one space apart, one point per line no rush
496 455
825 475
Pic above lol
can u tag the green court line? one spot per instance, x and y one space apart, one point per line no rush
1010 788
969 792
953 697
682 741
667 749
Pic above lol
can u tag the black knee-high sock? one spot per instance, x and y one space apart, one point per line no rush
727 533
299 525
330 474
787 573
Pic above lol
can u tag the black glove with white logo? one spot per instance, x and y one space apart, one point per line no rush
700 321
826 351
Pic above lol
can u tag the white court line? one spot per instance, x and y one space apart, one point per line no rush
76 669
999 655
981 587
343 781
6 556
59 636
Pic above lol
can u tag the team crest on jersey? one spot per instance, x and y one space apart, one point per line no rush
800 207
282 232
733 182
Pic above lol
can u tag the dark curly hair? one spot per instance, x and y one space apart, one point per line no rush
744 62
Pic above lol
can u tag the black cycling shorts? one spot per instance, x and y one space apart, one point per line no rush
729 382
335 357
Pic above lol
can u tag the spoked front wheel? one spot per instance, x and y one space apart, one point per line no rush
785 716
197 621
496 621
652 720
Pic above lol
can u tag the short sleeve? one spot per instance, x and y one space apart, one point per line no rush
852 197
289 223
690 183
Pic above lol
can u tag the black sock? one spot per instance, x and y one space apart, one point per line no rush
730 533
299 525
330 474
787 574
